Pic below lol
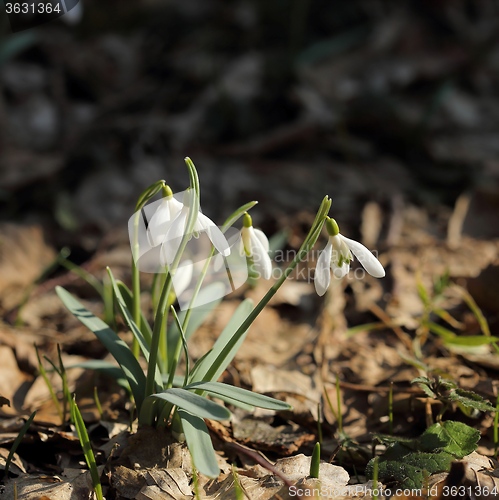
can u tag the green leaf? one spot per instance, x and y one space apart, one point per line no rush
315 462
17 442
186 351
470 340
409 461
199 444
148 193
410 473
441 331
470 302
237 215
450 337
81 430
423 294
470 399
193 403
455 438
137 333
240 314
197 317
116 346
145 328
425 384
237 394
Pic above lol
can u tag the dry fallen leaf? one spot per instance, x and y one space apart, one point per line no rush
23 257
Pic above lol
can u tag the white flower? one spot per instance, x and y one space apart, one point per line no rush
176 231
255 244
183 277
163 217
337 255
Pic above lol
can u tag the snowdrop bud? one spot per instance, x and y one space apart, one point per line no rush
247 220
332 227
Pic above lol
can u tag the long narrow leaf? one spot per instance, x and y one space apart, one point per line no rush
81 430
471 340
17 442
186 351
463 340
239 394
237 318
237 214
194 404
116 346
197 317
126 293
199 444
137 333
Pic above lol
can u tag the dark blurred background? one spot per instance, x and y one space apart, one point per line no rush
282 101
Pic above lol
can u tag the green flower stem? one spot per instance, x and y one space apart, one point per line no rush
165 293
146 195
229 221
307 245
163 343
135 290
156 335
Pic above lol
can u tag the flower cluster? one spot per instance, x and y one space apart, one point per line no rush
168 225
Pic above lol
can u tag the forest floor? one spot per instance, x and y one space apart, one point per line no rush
392 112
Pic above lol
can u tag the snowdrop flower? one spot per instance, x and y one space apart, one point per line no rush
337 255
163 217
176 231
255 244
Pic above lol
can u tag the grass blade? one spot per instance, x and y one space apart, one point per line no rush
81 430
17 442
50 387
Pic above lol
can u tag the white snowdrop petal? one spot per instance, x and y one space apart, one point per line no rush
370 263
340 271
259 252
219 241
262 262
322 278
216 236
182 277
262 238
161 220
158 225
173 237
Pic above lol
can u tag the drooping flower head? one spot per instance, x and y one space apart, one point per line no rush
177 230
163 217
337 256
255 245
